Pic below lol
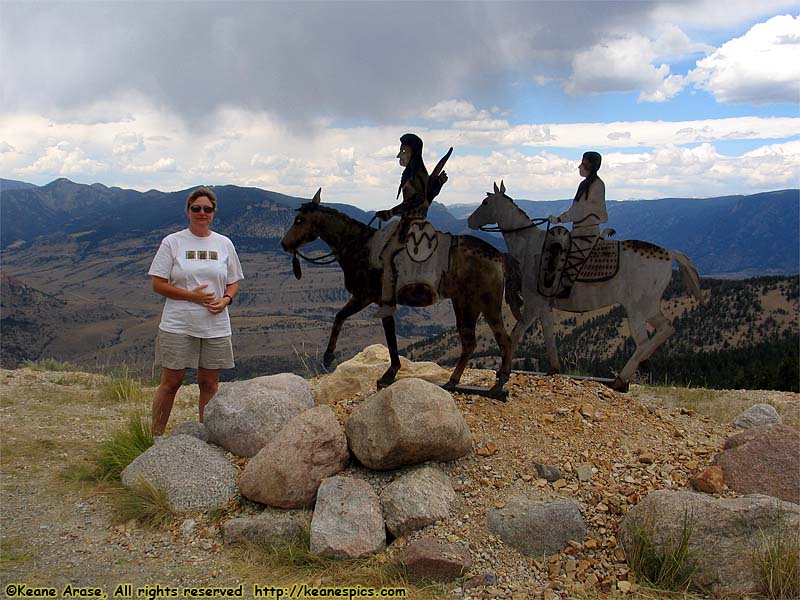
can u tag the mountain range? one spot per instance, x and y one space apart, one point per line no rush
75 258
728 236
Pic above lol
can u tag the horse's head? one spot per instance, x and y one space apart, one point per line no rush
305 228
487 212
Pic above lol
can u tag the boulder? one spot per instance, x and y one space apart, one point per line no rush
433 560
288 470
724 533
763 460
758 414
537 528
270 529
192 428
410 422
192 474
360 374
347 521
244 415
416 500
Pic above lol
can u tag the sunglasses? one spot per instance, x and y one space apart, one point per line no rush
206 209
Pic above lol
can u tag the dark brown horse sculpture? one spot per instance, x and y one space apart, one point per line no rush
476 280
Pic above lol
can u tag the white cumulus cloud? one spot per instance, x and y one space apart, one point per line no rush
624 64
162 165
63 158
761 67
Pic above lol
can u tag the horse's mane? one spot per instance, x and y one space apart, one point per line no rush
513 203
311 206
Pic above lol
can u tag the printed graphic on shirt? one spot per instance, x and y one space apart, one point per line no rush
201 255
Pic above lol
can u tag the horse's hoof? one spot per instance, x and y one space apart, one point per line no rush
384 383
450 386
327 359
618 385
498 393
553 371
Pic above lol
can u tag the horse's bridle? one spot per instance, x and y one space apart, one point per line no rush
330 257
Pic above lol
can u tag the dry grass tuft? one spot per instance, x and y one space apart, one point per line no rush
668 565
123 387
49 364
777 563
296 564
142 502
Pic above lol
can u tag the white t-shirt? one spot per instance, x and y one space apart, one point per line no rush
186 262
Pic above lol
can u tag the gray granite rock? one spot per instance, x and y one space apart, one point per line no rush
270 529
537 528
193 475
416 500
549 472
347 521
192 428
758 414
244 415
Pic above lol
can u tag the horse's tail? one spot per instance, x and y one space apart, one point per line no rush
513 276
689 275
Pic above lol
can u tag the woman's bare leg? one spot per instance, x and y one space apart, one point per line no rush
208 381
171 380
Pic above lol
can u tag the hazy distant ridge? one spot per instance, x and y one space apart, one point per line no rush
729 236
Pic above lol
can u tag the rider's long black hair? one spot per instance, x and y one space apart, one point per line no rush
415 164
593 161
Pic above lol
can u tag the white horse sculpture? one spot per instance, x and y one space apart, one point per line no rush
643 274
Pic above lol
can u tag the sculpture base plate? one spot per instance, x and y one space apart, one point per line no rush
478 390
604 380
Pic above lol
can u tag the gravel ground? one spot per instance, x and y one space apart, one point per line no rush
54 532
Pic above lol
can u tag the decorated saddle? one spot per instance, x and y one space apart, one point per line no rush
601 264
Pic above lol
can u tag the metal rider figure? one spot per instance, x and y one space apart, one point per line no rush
418 193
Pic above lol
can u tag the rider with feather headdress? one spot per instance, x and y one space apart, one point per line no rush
418 189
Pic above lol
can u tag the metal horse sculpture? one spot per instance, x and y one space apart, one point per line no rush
476 279
643 274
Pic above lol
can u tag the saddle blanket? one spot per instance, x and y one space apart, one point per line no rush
603 262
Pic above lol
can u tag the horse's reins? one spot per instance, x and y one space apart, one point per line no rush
325 259
498 229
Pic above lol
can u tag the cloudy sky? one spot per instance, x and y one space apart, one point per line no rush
697 98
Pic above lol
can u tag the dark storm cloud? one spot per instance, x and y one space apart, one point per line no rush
366 61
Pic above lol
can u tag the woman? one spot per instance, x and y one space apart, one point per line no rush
587 212
197 271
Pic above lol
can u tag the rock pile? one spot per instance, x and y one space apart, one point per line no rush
554 473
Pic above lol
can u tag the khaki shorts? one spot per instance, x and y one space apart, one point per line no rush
179 351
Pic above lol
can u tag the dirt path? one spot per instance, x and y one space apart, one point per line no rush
54 532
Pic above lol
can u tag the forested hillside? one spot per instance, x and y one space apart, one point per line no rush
745 337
